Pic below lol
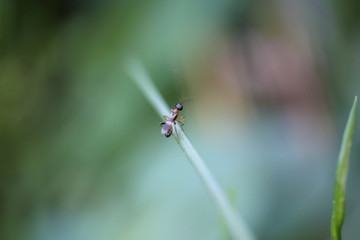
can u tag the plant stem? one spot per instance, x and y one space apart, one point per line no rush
236 226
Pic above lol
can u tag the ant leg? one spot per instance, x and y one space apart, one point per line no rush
181 117
162 123
175 129
180 122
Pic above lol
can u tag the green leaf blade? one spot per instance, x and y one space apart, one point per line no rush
338 213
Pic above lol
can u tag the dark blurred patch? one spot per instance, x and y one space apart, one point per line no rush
349 17
28 25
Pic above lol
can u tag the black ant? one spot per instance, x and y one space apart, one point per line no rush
167 125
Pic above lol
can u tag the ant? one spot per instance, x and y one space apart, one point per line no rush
167 125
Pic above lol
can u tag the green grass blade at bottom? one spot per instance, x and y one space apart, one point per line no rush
338 212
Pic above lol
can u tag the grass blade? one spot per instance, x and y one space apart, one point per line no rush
338 212
237 227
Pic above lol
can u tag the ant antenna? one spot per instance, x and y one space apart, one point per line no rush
177 79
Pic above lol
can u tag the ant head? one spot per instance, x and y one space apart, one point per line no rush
179 106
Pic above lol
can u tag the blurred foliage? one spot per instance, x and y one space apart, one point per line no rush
81 152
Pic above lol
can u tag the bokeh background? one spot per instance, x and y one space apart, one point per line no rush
270 84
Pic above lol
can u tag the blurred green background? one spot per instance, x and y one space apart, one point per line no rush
270 85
